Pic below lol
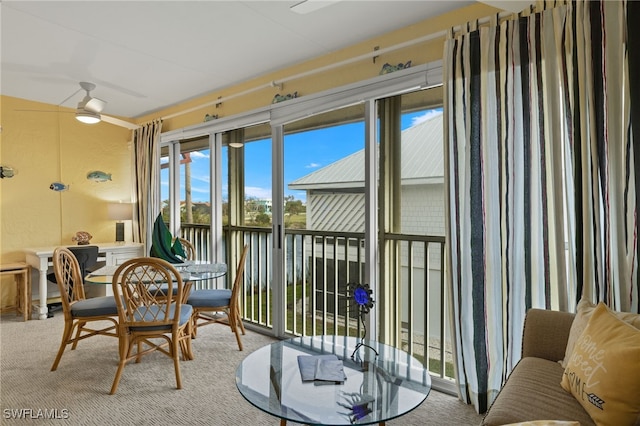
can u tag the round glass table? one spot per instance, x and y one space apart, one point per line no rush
189 271
381 382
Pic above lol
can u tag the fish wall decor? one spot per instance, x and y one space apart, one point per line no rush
388 68
98 176
6 172
58 186
281 98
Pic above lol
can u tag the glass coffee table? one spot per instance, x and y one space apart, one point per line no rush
382 382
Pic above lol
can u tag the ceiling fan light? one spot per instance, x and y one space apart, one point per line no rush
236 144
88 117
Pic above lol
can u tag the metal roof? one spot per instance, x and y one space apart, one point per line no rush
422 161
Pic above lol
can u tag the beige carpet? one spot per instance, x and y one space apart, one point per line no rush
78 391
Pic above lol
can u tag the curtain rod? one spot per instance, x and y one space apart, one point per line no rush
349 61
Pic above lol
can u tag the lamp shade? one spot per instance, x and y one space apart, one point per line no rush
120 211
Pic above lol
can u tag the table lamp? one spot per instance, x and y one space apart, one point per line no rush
120 212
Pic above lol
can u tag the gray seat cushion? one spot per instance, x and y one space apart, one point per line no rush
209 298
95 306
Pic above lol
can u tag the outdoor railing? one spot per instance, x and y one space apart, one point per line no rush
318 267
198 235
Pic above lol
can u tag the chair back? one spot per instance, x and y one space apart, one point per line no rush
188 248
140 287
68 276
87 256
234 303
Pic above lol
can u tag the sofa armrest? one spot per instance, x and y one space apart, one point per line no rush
546 333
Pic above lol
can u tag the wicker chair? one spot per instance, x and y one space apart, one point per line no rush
144 313
78 311
188 248
190 251
207 301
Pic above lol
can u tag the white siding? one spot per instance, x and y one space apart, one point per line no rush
335 212
423 209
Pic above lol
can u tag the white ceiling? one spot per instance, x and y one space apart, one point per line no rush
147 55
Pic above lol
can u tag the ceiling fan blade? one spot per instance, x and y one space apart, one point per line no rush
95 105
36 110
119 122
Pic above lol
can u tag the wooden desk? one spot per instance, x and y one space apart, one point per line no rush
40 258
21 275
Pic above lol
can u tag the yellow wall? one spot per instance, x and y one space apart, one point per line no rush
46 147
365 69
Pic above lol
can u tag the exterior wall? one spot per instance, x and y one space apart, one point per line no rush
335 212
422 214
423 209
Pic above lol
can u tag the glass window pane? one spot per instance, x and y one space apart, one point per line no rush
195 194
164 184
324 195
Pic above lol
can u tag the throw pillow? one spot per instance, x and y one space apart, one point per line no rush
583 313
603 373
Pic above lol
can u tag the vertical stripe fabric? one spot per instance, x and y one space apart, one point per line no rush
146 158
607 208
633 145
540 179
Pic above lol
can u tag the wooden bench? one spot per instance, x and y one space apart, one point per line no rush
22 277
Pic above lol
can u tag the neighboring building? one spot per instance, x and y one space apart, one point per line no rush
335 193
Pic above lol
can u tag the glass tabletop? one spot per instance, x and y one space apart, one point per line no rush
189 271
378 387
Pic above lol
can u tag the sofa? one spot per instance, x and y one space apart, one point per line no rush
533 391
581 368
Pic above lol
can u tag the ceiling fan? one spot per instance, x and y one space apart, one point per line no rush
89 110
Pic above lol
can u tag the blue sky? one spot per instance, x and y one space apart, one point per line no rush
303 154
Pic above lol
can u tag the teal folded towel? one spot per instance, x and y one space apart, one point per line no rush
162 246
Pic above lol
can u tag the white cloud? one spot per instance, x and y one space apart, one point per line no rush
427 116
260 193
198 154
200 190
202 178
312 166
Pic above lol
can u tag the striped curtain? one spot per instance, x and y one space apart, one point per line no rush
146 158
540 179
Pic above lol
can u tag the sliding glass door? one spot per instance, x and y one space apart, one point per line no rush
327 192
247 211
323 217
411 223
